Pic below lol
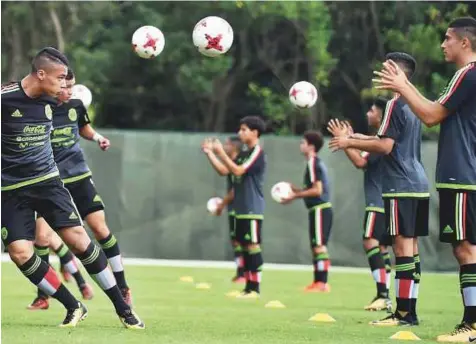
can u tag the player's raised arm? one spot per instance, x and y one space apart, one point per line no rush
219 167
338 129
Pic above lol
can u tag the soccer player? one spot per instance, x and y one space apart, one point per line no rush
455 111
31 183
70 121
232 148
316 196
404 190
375 237
248 178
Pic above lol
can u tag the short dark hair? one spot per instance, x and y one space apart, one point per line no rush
70 75
465 27
314 138
254 123
47 56
380 102
406 61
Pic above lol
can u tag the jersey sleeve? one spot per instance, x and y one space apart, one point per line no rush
83 117
315 172
392 122
461 87
255 161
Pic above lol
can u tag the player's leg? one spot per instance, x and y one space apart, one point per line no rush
58 209
374 229
458 227
238 252
18 233
68 262
388 261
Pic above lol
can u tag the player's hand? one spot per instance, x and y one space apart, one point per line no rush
217 146
350 130
337 143
289 199
391 77
220 207
337 128
294 187
207 145
104 143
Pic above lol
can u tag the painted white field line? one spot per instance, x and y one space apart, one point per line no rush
218 264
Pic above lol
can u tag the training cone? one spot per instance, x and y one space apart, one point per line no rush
203 286
274 304
405 335
188 279
322 317
233 293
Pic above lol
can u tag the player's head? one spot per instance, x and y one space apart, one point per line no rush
311 142
251 128
232 146
375 113
405 61
67 91
50 67
460 39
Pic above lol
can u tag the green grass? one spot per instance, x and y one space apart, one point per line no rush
176 312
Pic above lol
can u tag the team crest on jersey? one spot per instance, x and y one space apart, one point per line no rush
48 112
73 115
4 233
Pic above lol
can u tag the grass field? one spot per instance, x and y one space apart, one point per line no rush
177 312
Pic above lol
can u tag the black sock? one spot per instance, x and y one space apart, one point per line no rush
44 253
404 270
68 262
416 284
247 267
468 284
240 263
377 267
95 262
256 265
321 264
44 277
388 269
113 254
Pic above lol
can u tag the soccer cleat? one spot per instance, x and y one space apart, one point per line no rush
248 295
67 277
394 319
130 320
127 296
86 291
379 304
238 279
318 287
463 333
74 316
40 303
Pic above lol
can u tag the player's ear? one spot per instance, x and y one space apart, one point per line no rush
41 74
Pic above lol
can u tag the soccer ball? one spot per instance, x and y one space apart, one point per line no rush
280 191
148 42
82 93
303 94
212 36
212 205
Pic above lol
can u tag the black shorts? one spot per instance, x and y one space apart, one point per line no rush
85 196
49 198
374 228
231 226
457 216
248 231
320 225
407 217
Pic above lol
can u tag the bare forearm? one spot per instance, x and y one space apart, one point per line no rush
233 168
230 196
354 156
217 164
87 132
374 146
311 192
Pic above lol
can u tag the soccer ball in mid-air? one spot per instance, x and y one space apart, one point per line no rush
82 93
303 94
212 36
212 205
148 42
281 191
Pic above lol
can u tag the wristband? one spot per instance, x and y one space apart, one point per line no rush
97 136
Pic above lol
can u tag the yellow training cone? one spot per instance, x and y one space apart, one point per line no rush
203 286
322 317
405 335
233 293
275 304
188 279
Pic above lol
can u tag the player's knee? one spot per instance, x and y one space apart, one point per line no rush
100 230
43 238
369 243
465 253
75 238
319 249
20 251
253 247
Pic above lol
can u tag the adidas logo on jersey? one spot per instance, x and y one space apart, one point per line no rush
97 198
73 216
448 230
17 113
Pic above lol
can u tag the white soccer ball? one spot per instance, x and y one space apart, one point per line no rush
212 36
281 191
303 94
82 93
212 205
148 42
